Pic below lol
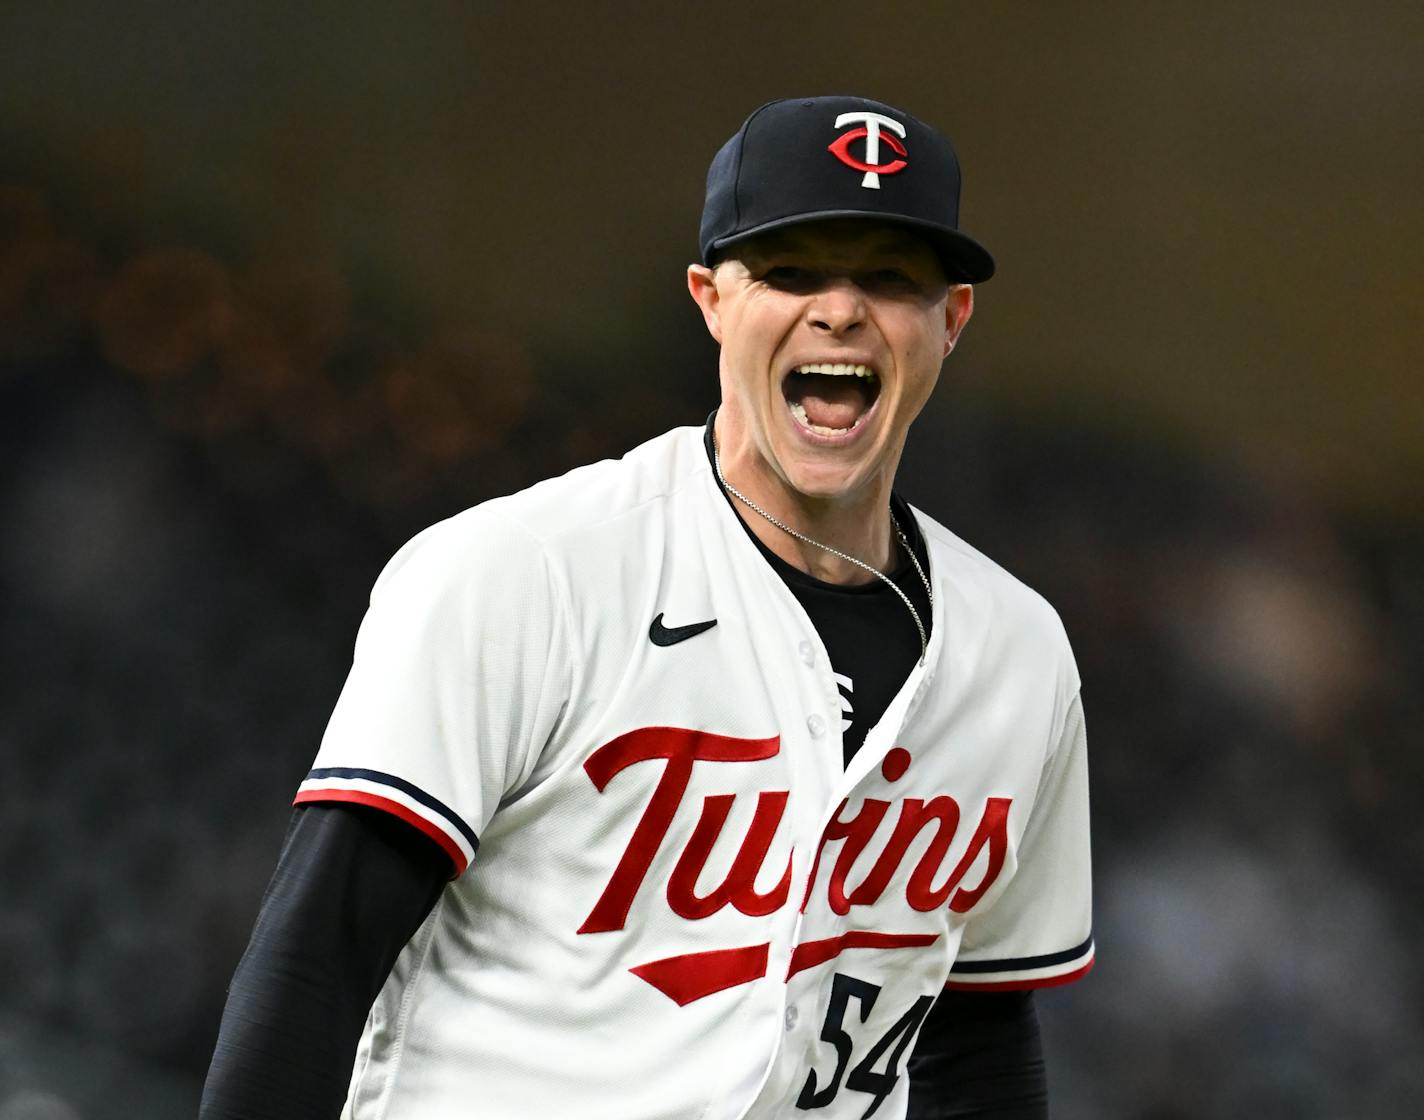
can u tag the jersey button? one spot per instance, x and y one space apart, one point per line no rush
815 725
792 1015
808 654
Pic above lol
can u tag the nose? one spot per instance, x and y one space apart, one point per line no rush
837 307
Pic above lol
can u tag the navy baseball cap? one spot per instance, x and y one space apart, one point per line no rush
813 158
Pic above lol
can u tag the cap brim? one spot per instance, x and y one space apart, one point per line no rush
965 261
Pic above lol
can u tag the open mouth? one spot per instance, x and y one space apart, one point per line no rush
831 398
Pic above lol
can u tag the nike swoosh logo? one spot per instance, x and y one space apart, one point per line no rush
661 635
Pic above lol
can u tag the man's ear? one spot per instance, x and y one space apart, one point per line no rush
702 286
958 306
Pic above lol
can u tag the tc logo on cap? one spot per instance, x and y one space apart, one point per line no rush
871 125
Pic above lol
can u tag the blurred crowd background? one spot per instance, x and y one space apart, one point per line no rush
279 288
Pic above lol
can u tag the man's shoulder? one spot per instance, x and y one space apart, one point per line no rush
588 496
959 564
557 514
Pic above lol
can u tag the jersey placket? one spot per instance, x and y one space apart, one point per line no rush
798 1045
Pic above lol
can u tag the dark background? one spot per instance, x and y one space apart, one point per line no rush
280 287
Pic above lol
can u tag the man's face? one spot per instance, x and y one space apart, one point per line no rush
832 337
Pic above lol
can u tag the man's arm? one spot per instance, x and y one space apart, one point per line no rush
979 1056
979 1052
351 888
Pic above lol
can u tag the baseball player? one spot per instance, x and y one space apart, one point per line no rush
716 781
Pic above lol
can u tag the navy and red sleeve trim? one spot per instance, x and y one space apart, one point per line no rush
1021 973
400 798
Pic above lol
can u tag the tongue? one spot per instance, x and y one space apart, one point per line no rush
830 402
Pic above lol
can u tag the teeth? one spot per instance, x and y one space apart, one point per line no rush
838 369
798 410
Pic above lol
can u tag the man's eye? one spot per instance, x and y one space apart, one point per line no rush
888 280
790 278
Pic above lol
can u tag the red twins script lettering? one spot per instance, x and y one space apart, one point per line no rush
679 749
697 974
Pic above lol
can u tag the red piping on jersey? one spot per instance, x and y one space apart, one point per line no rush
1022 985
811 953
396 809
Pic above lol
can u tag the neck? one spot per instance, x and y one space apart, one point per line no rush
858 525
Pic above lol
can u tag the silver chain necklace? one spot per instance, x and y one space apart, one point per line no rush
876 572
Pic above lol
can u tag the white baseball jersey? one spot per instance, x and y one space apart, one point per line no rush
684 904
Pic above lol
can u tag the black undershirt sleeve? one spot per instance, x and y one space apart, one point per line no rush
351 887
979 1056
